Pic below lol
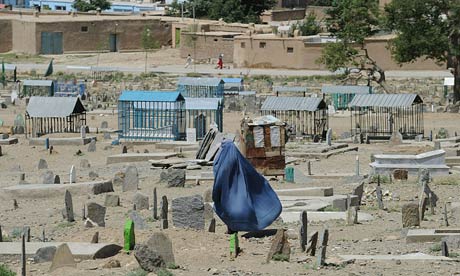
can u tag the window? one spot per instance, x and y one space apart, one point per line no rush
243 44
262 44
84 29
290 50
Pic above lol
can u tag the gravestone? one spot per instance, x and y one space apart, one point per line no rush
93 175
396 138
96 213
155 204
124 150
104 124
400 174
72 175
42 164
148 258
19 124
112 200
83 132
212 226
62 258
57 179
84 164
173 177
207 195
410 215
164 212
107 136
280 245
303 230
358 190
95 238
139 222
92 146
311 248
68 206
44 254
378 192
208 211
188 212
191 135
118 180
444 249
329 137
131 180
1 153
323 239
48 177
141 201
129 237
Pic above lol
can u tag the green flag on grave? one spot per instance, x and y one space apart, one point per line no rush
49 71
130 240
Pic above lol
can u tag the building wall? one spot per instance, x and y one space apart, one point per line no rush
6 36
24 37
283 15
291 3
304 56
97 35
207 46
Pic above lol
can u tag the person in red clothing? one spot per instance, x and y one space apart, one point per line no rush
220 63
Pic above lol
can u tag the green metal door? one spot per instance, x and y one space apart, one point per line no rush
113 42
51 43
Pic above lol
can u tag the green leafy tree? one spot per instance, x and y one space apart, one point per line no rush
320 3
309 26
428 29
84 6
351 21
148 43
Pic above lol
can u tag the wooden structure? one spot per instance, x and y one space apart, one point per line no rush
341 95
37 88
306 116
264 142
379 115
151 115
201 87
54 115
202 113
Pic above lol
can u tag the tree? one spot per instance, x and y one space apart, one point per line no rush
351 21
309 26
244 11
426 30
91 5
148 43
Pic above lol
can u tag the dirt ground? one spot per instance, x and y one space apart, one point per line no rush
202 253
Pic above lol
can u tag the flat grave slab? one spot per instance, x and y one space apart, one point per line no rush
79 249
429 235
8 141
138 157
407 257
322 216
314 203
307 191
71 141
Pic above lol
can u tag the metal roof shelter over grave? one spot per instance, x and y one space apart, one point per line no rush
343 94
306 115
202 113
201 87
379 115
54 114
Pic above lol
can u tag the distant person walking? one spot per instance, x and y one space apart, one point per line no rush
220 63
188 61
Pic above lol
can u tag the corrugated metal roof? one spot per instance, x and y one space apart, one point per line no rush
54 107
202 103
346 89
199 81
37 82
289 88
232 80
293 103
246 93
385 100
150 96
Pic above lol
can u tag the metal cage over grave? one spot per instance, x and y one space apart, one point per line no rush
54 115
201 87
37 88
341 95
306 116
233 85
202 113
151 115
379 115
10 72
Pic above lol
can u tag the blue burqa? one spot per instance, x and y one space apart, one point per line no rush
243 198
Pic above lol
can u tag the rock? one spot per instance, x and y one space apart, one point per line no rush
207 195
96 213
93 175
92 146
358 191
141 201
410 215
102 187
280 245
173 177
62 258
139 222
112 200
42 164
44 254
57 179
84 164
48 177
112 264
400 174
156 253
131 180
208 211
188 212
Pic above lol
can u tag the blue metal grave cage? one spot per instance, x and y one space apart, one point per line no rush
201 87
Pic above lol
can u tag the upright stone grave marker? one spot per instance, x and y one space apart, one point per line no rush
131 180
83 132
410 215
96 213
57 179
191 135
69 206
303 230
42 164
141 201
155 204
72 175
48 177
104 124
329 137
164 212
323 239
62 258
92 146
188 212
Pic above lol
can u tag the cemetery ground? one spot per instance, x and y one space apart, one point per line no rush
204 253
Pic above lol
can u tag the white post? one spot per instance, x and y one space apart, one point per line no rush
72 175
